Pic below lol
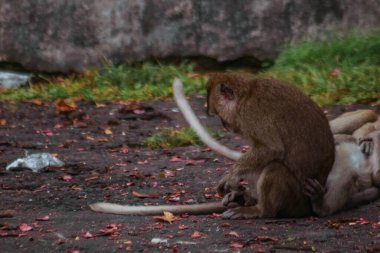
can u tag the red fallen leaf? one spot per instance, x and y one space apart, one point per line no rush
143 162
124 150
87 235
194 162
168 217
24 227
6 234
335 73
66 178
182 227
58 126
189 201
174 197
43 218
215 215
233 234
169 173
196 235
138 111
362 221
264 228
154 184
375 225
73 251
236 245
46 132
175 159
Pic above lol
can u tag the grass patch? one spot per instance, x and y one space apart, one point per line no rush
129 81
339 71
170 137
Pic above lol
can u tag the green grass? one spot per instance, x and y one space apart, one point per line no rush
310 65
171 137
129 81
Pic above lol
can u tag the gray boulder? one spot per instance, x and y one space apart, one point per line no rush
66 35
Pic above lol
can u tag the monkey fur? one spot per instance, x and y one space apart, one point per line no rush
248 196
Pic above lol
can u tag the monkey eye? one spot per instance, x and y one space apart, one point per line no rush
226 91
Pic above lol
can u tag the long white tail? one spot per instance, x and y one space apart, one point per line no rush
204 208
193 121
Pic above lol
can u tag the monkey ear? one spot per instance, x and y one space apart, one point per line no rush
226 92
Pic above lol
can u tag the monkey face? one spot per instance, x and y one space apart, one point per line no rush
221 101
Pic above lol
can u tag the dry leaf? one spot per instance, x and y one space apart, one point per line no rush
62 106
108 131
37 101
143 195
168 217
3 122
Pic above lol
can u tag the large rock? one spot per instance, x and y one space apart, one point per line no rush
66 35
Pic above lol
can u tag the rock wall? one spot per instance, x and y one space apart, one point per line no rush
67 35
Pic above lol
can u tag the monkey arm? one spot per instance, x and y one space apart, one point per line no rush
348 122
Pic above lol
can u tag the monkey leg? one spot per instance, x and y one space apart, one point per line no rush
279 194
348 122
363 197
337 193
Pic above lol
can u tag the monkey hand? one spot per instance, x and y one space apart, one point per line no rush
230 182
314 190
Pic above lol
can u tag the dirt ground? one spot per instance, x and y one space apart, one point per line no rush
105 160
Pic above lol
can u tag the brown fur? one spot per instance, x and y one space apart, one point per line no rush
290 136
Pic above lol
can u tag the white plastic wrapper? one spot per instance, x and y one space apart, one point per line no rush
36 162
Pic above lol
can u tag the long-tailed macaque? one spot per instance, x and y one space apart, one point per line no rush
290 136
246 195
355 177
291 142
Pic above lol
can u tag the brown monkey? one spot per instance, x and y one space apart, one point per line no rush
249 194
291 141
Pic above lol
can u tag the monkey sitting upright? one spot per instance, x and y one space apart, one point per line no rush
291 141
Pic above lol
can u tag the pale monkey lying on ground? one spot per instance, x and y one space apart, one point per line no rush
214 206
355 177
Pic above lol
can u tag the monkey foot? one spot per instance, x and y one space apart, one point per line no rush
244 212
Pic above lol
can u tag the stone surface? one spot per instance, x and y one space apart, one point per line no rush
66 35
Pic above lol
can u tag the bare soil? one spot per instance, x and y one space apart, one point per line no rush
105 160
